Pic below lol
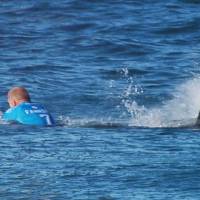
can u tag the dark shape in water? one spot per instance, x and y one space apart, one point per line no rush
198 120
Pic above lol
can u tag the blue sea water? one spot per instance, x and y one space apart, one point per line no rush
121 78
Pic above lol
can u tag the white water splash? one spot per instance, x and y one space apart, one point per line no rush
181 110
184 106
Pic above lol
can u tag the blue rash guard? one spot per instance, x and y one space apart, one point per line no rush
29 113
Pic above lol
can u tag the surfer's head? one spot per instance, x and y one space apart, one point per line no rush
18 95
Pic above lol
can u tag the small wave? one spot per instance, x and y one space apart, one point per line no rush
118 73
112 124
77 27
191 1
180 27
39 67
91 123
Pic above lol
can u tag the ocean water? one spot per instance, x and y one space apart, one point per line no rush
122 80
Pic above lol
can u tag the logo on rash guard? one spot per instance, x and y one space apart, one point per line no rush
39 111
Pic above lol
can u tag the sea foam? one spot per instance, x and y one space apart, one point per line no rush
181 110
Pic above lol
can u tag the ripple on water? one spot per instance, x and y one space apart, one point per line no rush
102 68
120 73
180 27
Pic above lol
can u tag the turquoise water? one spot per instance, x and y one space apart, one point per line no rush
121 78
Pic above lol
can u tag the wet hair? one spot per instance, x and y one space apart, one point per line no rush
19 93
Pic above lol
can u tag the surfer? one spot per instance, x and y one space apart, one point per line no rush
22 110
